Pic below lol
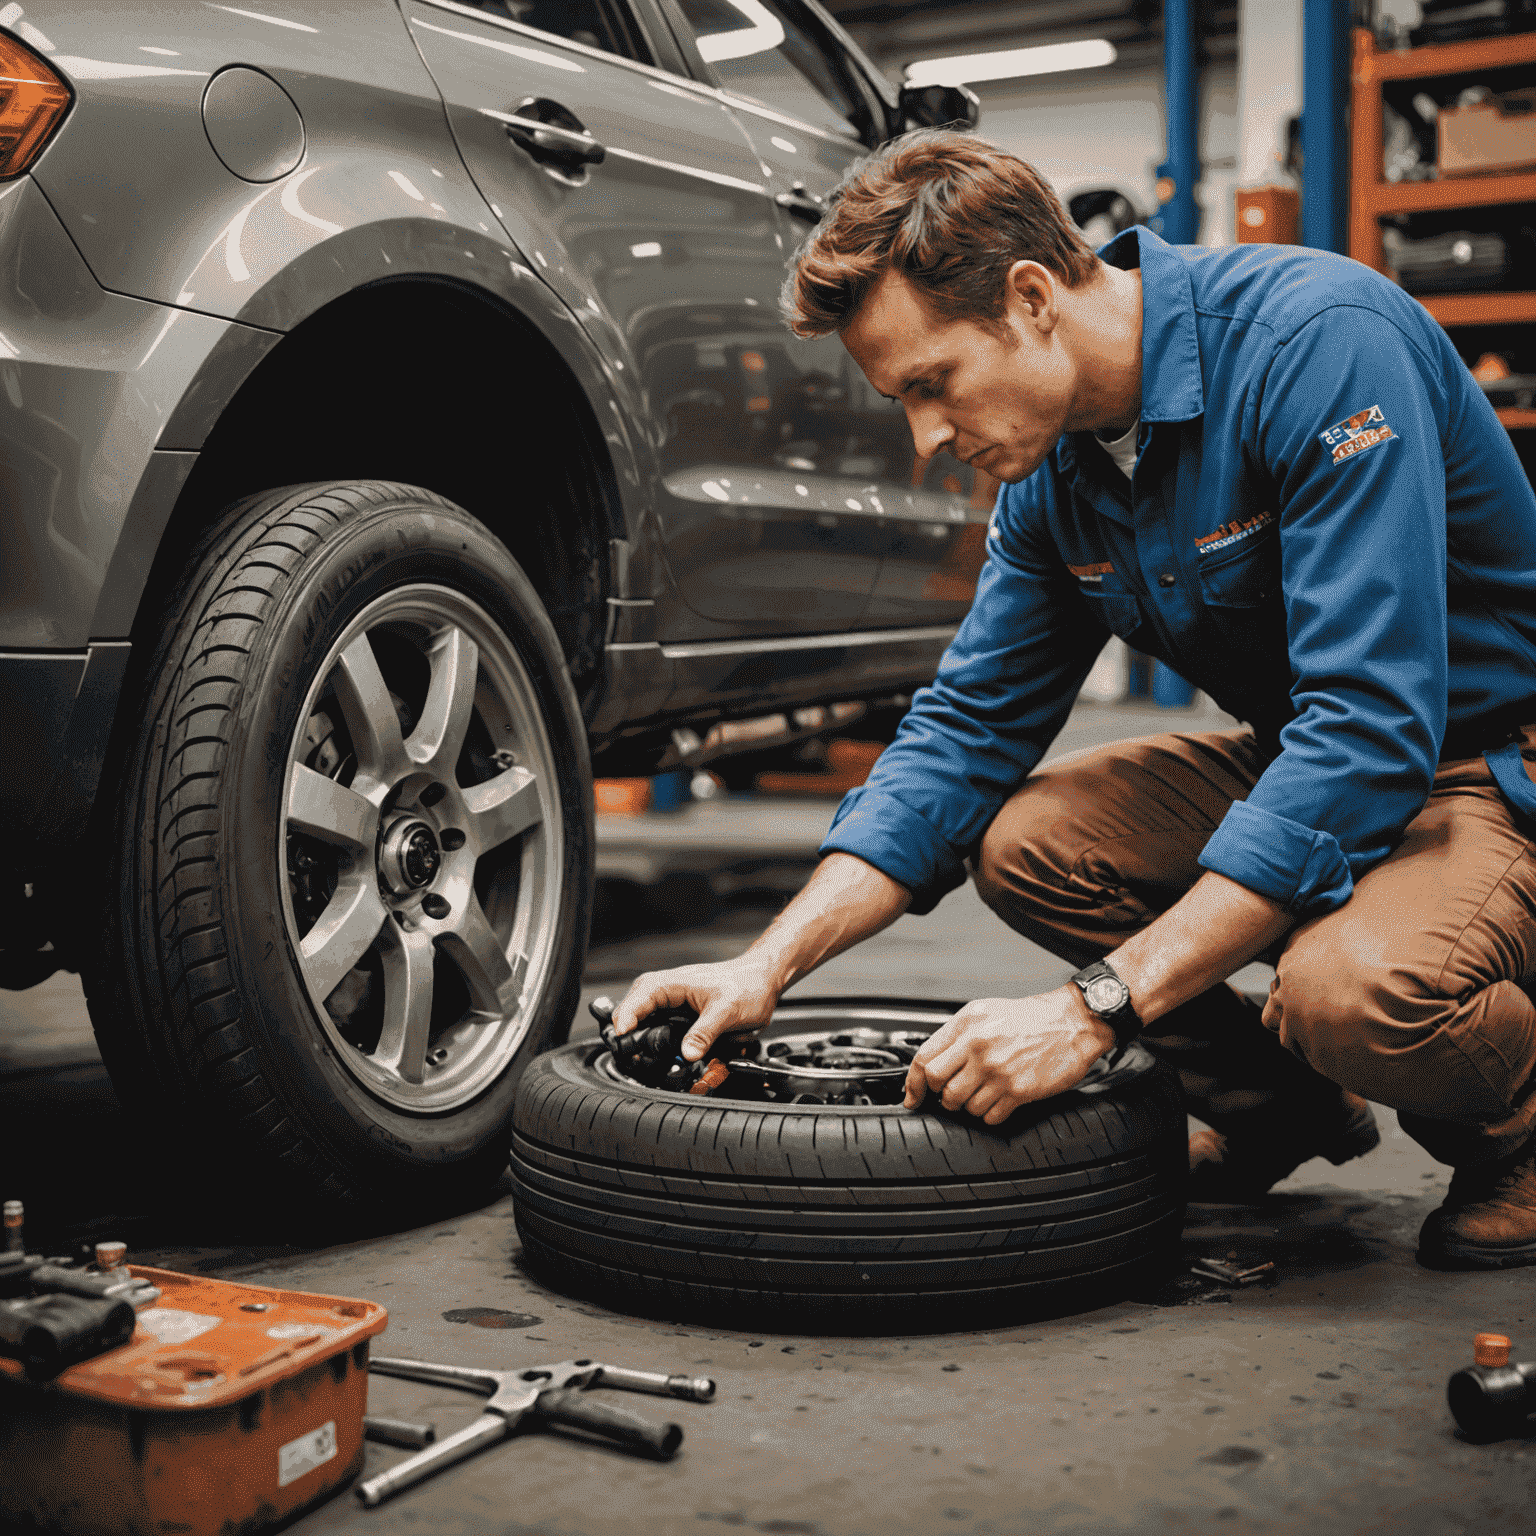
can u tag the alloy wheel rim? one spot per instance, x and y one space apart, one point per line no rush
421 838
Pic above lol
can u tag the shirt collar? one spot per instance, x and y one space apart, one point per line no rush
1171 386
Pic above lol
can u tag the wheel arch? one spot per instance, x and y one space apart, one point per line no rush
423 380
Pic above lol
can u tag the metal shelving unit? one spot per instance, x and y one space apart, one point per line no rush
1371 199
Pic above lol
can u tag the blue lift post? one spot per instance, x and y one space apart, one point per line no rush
1179 223
1179 174
1325 124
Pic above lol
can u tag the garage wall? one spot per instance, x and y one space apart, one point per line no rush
1105 127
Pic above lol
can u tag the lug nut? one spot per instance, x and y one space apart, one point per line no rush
451 839
434 905
437 1057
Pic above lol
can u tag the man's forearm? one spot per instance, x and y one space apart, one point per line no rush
846 900
1215 928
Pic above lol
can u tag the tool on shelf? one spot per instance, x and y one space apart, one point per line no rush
1491 1398
552 1393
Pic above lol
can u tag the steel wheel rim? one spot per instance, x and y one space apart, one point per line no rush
865 1024
473 761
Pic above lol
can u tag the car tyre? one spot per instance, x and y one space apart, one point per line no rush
351 875
846 1218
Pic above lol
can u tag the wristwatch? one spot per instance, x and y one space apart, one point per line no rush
1110 998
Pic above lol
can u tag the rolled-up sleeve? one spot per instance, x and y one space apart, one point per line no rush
1349 424
1003 690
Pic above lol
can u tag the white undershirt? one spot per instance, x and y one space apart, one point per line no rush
1123 449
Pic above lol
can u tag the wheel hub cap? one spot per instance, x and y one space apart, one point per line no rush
410 857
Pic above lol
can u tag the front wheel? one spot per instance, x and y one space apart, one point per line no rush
354 852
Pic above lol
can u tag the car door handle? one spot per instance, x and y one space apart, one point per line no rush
802 204
544 141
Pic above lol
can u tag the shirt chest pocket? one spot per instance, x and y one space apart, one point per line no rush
1111 604
1246 575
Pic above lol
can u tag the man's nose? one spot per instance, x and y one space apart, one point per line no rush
931 429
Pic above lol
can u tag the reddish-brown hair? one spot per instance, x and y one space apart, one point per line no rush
948 211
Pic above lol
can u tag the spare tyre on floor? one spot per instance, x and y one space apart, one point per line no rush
850 1216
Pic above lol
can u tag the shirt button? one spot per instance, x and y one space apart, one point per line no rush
1167 579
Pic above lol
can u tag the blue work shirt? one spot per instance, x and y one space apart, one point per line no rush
1327 530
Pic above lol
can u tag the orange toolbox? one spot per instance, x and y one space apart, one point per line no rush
232 1408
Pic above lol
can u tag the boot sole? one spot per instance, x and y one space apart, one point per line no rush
1474 1256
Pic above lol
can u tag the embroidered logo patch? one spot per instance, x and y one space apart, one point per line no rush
1230 533
1093 573
1357 433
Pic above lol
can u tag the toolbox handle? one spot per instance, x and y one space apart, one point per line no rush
575 1407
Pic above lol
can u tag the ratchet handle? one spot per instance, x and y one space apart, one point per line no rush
574 1407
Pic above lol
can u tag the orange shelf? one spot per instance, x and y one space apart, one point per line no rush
1481 308
1446 59
1517 416
1383 197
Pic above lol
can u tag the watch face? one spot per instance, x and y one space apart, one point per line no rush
1104 994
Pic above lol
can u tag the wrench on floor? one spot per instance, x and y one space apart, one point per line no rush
555 1393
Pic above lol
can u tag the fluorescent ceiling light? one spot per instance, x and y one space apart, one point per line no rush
1011 63
763 30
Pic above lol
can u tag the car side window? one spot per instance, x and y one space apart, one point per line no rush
604 24
762 49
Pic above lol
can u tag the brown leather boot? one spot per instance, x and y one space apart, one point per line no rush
1488 1220
1241 1164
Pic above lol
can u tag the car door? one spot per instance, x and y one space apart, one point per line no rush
636 195
812 109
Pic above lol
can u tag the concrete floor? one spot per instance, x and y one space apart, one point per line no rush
1315 1403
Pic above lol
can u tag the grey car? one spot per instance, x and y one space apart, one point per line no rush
395 420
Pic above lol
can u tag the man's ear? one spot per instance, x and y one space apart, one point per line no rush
1032 294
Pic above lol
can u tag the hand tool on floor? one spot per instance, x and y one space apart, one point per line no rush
413 1437
1492 1398
553 1393
1231 1274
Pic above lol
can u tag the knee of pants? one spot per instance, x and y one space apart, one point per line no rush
1352 1017
1016 850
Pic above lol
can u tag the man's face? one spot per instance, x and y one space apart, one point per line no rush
996 397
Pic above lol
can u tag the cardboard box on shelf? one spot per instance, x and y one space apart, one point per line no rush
1498 134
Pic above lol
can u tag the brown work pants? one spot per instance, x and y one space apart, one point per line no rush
1413 993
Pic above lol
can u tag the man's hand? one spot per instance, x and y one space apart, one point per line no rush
1000 1052
729 995
844 901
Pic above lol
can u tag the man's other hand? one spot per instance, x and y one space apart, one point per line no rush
728 995
1000 1052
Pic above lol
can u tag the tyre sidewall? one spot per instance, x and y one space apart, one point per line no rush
406 542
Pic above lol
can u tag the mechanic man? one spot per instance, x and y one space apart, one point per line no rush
1267 467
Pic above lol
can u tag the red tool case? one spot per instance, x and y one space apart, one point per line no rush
233 1407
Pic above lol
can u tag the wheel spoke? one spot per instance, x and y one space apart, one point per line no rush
495 983
330 811
407 955
369 711
504 806
349 924
439 735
